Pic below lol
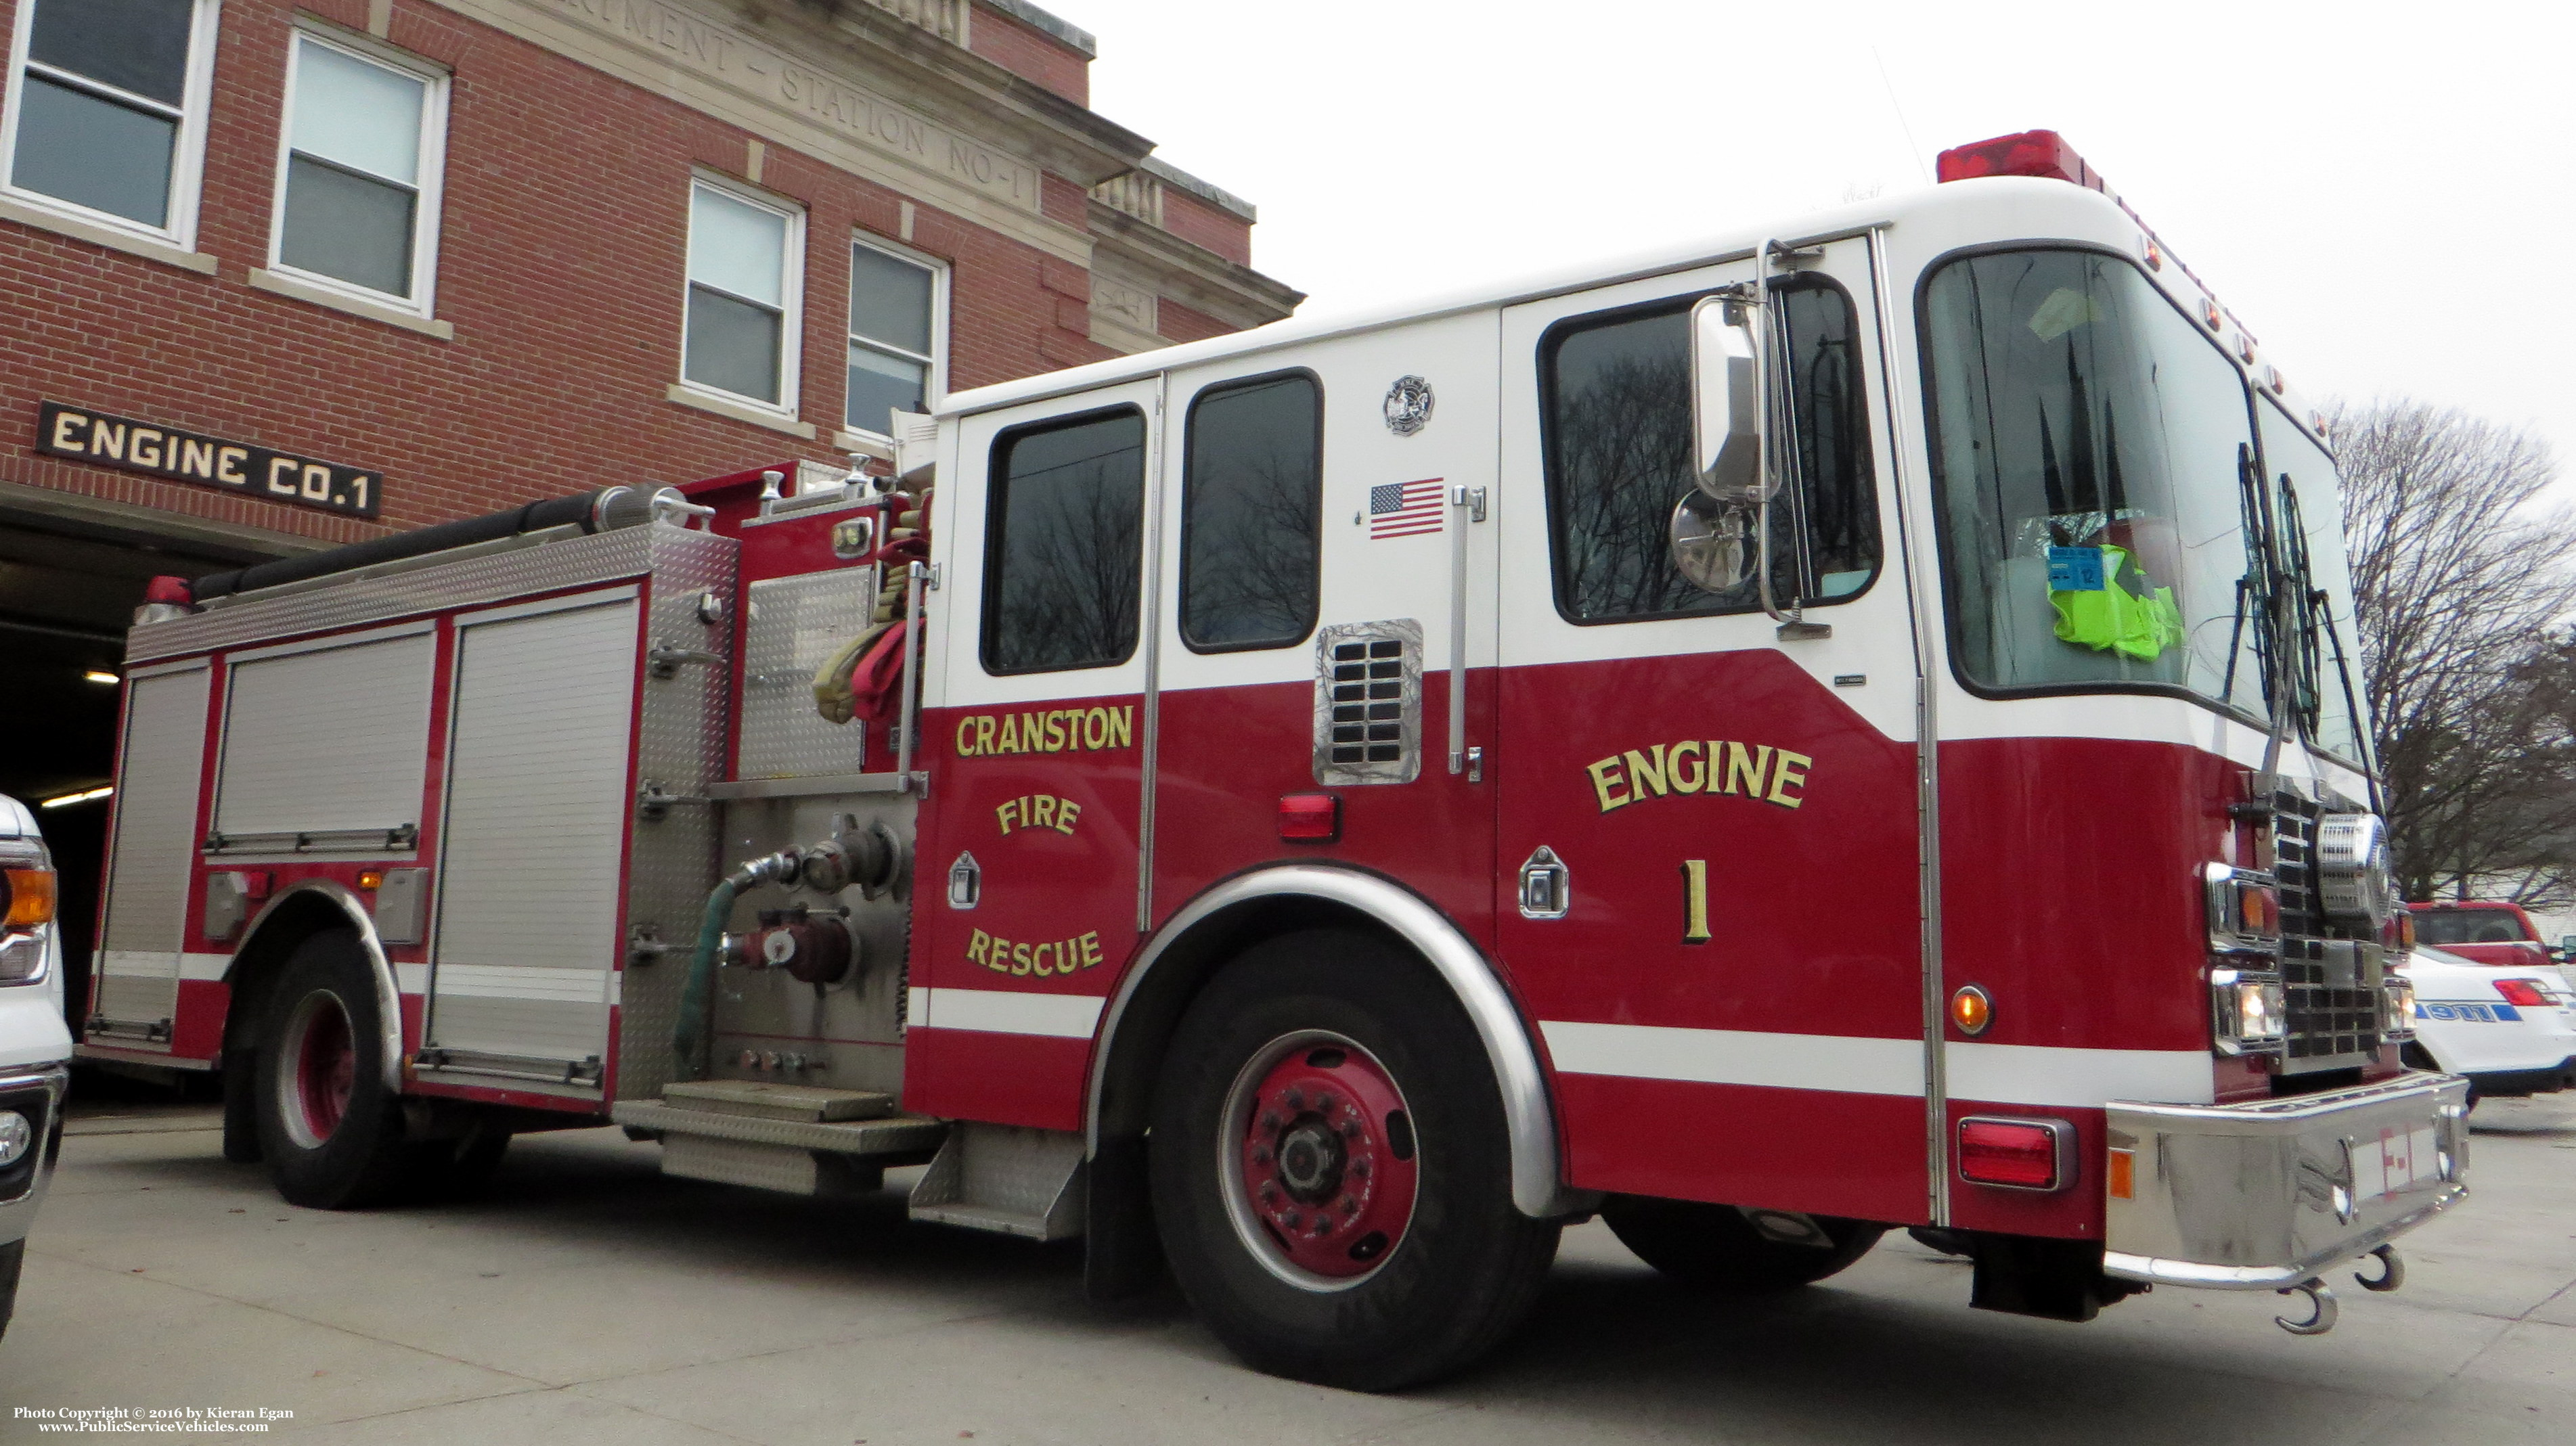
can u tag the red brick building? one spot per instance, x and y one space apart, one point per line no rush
276 274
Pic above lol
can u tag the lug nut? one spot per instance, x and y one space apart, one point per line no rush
1261 1154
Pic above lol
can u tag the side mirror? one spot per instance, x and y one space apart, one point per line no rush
1727 403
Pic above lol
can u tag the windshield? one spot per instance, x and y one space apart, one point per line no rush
2309 500
2089 446
2470 926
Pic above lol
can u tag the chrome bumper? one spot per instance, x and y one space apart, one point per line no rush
2264 1195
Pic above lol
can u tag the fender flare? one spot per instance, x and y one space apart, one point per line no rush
354 909
1529 1116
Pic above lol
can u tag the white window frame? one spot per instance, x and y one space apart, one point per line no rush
791 326
423 302
188 158
937 386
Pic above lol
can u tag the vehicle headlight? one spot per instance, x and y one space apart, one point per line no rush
2396 1008
22 958
16 1135
2247 1011
2352 868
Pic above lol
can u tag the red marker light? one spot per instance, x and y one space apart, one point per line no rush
2523 992
1310 817
2044 154
174 590
2017 1154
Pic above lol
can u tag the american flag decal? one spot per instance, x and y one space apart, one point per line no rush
1406 509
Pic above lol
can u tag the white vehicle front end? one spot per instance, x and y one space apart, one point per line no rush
35 1048
2510 1032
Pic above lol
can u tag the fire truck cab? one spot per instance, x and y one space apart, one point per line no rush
1816 733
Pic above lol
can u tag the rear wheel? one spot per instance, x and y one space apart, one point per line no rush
330 1130
1332 1173
1715 1248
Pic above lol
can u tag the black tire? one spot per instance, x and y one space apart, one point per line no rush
1462 1266
241 1106
325 1163
1714 1248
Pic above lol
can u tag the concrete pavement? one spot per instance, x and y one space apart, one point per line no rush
588 1299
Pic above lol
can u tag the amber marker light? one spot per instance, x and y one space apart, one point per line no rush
26 897
1971 1009
371 879
2124 1175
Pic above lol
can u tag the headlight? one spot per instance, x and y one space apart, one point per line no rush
16 1134
2396 1008
2246 1012
22 958
2352 868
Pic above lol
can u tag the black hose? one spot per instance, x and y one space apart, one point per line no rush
594 511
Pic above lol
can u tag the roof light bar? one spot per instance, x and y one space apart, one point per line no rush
2044 154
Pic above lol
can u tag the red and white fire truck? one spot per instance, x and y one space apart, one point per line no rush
1770 742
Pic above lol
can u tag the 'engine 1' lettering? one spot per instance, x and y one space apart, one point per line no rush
1749 770
1058 730
1016 956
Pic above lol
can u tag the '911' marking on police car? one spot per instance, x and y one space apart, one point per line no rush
2468 1013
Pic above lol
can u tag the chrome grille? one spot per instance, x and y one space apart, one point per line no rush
1368 702
2332 1008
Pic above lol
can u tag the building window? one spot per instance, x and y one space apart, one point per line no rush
742 296
894 331
1063 559
358 190
107 107
1252 504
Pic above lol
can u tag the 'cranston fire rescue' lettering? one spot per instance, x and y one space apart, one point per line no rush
1015 956
1060 730
1750 770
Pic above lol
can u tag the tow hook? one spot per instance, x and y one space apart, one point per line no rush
2392 1271
2321 1308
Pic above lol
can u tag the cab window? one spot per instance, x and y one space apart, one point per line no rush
1063 533
1615 406
1251 509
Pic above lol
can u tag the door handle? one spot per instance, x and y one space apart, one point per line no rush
1547 886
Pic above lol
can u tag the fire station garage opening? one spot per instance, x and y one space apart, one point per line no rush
69 584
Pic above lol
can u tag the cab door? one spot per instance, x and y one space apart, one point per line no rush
1708 821
1026 872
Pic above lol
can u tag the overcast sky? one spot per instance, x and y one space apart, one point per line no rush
2382 193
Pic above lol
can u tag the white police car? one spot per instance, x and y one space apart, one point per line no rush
35 1048
2511 1032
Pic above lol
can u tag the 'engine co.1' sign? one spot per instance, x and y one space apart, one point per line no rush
167 452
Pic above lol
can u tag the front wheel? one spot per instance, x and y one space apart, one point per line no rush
1331 1169
330 1130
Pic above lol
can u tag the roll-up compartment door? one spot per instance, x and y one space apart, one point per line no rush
326 747
155 842
533 840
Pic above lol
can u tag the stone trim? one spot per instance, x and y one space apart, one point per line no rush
1072 37
1216 196
306 291
1191 275
167 253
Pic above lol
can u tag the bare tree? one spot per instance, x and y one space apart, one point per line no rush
2464 579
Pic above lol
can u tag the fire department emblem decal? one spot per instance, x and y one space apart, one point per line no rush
1408 406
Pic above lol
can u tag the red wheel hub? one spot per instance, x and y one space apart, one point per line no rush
1328 1160
326 1066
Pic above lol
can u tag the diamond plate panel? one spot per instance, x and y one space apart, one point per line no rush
793 626
566 562
679 744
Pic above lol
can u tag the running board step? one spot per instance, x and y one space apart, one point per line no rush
1007 1179
796 1156
764 1100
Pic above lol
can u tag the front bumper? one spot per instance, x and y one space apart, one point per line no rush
38 1094
2265 1195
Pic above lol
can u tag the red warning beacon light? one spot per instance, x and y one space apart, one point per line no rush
2044 154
